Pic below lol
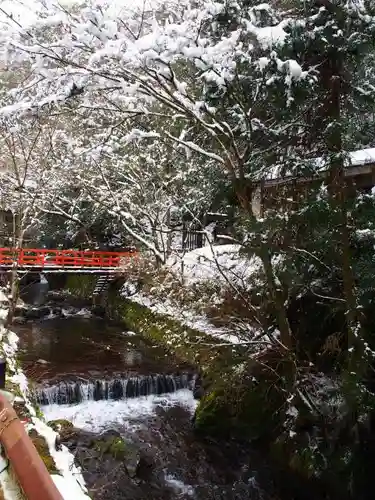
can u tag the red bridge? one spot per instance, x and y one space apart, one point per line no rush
57 261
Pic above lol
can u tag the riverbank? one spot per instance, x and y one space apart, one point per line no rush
59 462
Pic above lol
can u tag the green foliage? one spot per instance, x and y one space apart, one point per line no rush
81 286
247 401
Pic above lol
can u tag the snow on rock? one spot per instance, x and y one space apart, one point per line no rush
179 486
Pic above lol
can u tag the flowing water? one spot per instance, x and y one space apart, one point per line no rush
103 378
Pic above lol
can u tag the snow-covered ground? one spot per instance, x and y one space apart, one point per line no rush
219 263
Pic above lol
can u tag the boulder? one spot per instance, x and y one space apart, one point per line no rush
108 449
37 312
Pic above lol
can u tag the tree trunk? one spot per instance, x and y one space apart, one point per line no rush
338 192
277 296
274 289
14 281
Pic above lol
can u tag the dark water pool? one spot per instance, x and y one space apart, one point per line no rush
79 346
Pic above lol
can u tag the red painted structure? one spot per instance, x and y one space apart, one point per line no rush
59 260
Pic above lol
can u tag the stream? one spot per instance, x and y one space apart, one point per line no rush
107 380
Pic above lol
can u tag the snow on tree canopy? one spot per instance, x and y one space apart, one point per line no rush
103 45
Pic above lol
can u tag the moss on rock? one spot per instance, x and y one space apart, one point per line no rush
61 425
114 445
42 447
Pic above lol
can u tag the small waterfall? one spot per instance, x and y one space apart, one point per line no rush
121 388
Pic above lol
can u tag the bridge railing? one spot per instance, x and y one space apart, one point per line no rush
34 257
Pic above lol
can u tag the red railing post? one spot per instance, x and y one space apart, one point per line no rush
41 258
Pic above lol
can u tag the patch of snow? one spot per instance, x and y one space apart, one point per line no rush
51 315
268 36
72 312
218 262
85 313
42 361
179 486
292 411
69 488
43 279
362 156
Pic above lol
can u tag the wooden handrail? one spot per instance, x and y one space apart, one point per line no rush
31 473
35 257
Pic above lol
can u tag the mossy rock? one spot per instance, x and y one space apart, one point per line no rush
13 388
110 445
114 446
61 426
42 447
